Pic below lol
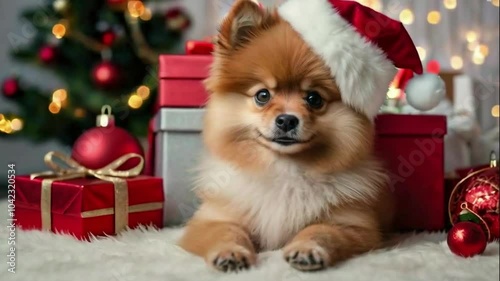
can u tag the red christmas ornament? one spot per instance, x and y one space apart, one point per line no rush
478 195
433 67
108 37
177 20
466 239
105 143
10 87
106 75
47 54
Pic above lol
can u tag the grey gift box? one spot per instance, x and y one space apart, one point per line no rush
178 146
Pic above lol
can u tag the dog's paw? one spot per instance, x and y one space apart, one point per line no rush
306 256
232 259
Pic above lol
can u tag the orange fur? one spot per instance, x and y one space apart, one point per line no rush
256 50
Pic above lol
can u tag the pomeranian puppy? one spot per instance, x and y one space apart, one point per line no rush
288 164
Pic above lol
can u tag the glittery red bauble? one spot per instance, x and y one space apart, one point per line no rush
478 194
467 239
108 37
10 87
100 146
106 75
47 54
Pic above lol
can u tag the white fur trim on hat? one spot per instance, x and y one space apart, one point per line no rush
361 70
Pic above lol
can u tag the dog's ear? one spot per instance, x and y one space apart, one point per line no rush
242 21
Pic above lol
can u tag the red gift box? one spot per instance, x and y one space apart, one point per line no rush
85 207
199 47
411 146
181 80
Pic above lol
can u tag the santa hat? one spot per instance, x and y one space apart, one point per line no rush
363 48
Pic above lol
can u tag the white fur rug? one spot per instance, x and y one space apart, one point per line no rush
148 255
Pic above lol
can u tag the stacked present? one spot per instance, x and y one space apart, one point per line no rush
75 199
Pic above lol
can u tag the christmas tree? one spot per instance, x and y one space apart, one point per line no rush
106 52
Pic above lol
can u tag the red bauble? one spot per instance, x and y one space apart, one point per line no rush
478 194
47 54
433 67
104 144
108 37
10 87
467 239
177 20
106 75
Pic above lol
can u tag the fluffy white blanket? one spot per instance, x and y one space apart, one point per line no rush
142 254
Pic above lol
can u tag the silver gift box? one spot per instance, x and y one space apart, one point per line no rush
178 147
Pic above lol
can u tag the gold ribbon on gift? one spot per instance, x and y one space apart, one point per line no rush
109 173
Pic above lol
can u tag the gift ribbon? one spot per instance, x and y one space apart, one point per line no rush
74 170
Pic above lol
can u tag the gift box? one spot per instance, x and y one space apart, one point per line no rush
412 148
77 203
413 142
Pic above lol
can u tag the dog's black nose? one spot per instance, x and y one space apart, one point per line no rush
287 122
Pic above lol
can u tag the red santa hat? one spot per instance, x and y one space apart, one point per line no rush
363 48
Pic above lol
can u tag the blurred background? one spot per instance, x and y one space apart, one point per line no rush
62 60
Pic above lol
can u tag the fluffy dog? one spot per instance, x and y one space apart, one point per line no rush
289 165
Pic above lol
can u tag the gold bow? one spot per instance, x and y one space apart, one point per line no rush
74 170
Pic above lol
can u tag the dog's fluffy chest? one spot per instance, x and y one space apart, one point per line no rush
275 205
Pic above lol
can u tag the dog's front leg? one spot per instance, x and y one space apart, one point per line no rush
226 246
322 245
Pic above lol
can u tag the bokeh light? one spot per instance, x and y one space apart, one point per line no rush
434 17
457 62
406 16
59 30
135 101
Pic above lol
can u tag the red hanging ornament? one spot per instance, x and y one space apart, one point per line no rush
108 37
11 88
105 143
477 195
106 75
467 239
433 66
177 20
47 54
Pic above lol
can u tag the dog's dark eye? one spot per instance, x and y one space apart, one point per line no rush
262 97
314 100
